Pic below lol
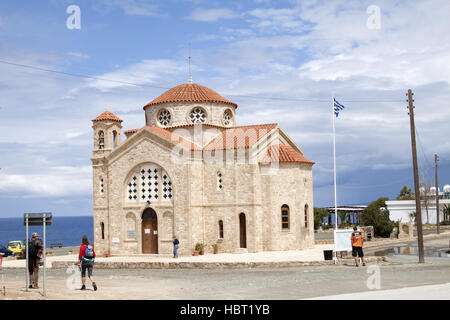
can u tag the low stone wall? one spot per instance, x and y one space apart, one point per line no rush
212 265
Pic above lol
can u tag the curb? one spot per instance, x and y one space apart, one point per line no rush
212 265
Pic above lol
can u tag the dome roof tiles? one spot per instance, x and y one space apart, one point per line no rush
190 92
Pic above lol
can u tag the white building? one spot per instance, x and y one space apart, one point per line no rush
401 209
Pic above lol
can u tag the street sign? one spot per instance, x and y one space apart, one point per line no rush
37 219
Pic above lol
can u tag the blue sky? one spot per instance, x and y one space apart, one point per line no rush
279 60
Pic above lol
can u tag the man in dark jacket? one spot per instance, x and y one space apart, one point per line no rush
34 257
176 244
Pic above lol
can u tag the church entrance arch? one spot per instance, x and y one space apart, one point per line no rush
149 231
242 231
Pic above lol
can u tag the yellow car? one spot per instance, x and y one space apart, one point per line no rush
16 247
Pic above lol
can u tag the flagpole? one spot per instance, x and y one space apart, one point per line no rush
334 162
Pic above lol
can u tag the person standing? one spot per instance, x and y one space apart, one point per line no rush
35 248
357 238
86 259
176 245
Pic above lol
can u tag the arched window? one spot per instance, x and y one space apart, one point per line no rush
102 227
285 217
220 229
306 216
149 183
114 139
219 181
227 118
101 140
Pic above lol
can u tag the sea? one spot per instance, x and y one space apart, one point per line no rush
65 230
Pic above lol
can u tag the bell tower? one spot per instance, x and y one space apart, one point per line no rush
107 133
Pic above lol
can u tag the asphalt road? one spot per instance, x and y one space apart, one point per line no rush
402 271
283 283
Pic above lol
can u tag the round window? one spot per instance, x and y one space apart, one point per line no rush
197 115
164 117
227 116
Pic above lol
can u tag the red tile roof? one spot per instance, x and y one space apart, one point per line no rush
189 92
175 138
131 131
283 153
239 137
107 115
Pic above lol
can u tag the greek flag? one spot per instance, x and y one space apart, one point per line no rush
337 107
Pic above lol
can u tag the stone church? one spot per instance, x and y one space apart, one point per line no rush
190 172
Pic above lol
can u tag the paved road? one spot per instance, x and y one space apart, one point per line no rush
433 292
401 271
283 283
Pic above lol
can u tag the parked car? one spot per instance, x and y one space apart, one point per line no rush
16 246
5 252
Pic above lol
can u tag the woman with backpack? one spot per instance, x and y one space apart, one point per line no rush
86 258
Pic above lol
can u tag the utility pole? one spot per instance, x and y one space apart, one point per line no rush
436 159
416 177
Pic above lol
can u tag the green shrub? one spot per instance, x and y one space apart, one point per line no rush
377 215
319 215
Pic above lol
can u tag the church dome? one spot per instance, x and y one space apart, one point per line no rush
189 92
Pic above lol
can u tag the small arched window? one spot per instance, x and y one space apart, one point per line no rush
102 227
285 217
306 216
101 140
114 139
220 229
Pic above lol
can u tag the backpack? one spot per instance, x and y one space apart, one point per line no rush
89 253
32 249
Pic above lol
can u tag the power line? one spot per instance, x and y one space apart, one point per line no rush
166 88
78 75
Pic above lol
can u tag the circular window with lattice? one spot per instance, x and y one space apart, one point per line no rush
197 115
227 118
164 117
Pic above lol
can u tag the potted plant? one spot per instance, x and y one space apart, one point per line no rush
200 247
215 248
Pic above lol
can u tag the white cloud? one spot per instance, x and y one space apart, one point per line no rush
79 56
146 72
211 15
134 7
59 182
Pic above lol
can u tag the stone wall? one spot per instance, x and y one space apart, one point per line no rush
180 113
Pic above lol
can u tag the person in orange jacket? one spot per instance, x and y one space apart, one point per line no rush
357 238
